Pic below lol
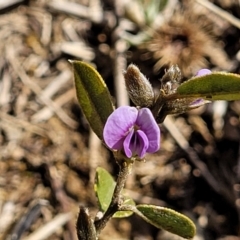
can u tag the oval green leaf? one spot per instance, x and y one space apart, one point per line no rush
93 95
168 219
214 86
122 214
104 188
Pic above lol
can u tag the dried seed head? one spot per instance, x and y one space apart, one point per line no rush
186 39
139 88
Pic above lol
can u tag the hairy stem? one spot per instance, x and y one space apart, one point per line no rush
125 169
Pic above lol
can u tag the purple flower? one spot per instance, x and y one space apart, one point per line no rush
202 72
132 130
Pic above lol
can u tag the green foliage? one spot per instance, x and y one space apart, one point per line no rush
152 9
104 187
93 95
214 86
168 219
122 214
95 101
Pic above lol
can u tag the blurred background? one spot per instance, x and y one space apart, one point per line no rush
48 154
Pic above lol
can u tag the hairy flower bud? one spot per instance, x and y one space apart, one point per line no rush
139 88
171 79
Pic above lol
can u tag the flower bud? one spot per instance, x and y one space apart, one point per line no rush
138 87
203 72
171 79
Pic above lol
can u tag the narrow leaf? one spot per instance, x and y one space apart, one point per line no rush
93 95
85 227
104 187
168 219
214 86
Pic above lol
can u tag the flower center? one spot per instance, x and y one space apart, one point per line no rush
136 127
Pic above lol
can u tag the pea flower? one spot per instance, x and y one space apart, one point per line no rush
202 72
133 131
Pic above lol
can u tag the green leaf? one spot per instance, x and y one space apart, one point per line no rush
104 187
168 219
214 86
93 96
122 214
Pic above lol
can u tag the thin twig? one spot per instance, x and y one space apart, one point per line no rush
27 219
50 228
56 84
12 58
94 154
120 63
93 13
61 197
29 127
5 87
125 169
225 15
8 3
46 113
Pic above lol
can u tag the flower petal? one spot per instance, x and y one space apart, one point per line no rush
197 103
127 144
135 143
148 125
202 72
118 125
142 143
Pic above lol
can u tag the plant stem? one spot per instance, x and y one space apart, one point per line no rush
124 171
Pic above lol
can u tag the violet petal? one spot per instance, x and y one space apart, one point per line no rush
118 125
142 143
127 144
203 72
148 125
136 143
198 103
